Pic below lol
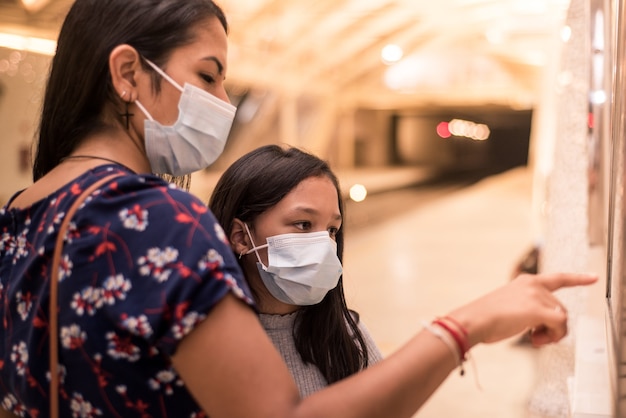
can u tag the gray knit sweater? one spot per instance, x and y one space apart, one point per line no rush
308 378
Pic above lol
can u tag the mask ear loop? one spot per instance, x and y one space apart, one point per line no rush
144 110
254 247
164 75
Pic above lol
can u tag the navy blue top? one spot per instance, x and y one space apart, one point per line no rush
143 263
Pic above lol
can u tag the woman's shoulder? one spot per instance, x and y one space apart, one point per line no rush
162 232
122 181
125 188
147 204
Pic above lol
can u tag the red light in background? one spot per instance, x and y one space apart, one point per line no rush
590 120
443 131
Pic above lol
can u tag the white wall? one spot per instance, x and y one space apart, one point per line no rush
560 162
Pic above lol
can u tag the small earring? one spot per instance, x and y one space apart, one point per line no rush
123 94
242 253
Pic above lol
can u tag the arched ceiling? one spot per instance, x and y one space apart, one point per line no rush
455 52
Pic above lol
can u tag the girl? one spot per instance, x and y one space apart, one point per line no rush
271 192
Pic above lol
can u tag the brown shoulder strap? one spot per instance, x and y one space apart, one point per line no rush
54 280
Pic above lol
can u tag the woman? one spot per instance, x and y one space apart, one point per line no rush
271 192
155 318
129 291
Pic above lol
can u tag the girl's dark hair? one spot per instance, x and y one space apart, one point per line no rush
80 85
255 183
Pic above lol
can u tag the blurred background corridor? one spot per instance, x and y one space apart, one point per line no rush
465 133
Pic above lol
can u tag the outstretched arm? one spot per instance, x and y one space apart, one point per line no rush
526 303
233 370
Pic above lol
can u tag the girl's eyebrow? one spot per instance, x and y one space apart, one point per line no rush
313 211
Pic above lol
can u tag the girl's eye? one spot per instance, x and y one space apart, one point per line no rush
304 225
333 232
208 78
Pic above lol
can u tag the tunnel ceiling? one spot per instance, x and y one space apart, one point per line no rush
454 52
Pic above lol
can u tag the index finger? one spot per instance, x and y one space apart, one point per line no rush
556 281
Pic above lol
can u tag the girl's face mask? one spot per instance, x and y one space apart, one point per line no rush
198 136
302 267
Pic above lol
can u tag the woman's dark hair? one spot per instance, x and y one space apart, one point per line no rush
255 183
80 84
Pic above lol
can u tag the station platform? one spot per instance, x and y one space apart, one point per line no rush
375 180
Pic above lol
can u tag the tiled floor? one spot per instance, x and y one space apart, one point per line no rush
430 257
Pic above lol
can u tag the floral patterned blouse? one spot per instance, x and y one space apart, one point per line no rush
143 263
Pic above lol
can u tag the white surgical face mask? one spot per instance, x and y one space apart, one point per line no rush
196 139
302 267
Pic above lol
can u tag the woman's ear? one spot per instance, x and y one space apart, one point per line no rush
238 237
125 68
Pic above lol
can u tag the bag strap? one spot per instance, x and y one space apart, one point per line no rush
54 294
